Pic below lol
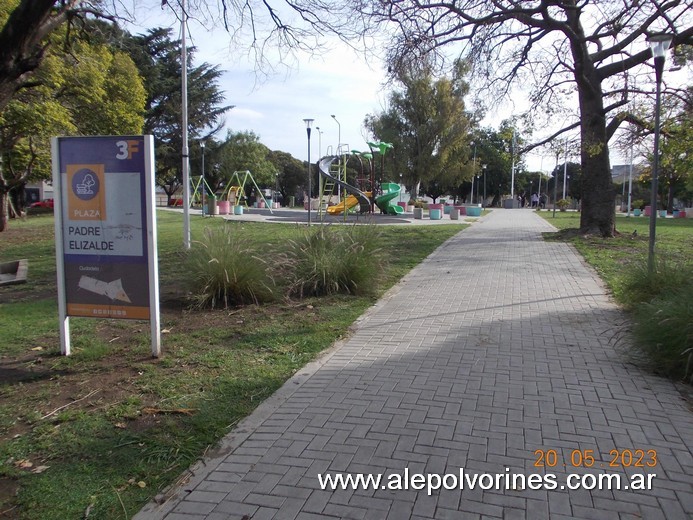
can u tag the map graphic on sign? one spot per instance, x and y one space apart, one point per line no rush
114 290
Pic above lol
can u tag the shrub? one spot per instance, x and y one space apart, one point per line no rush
640 285
664 331
223 271
325 260
562 204
638 204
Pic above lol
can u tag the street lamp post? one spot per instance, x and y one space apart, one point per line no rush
565 167
320 132
473 171
309 123
555 183
202 180
659 43
483 202
400 187
339 144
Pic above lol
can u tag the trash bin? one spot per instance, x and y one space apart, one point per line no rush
212 205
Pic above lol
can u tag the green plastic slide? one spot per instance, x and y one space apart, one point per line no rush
391 191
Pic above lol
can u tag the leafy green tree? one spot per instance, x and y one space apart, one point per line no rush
427 124
292 172
89 90
244 151
676 164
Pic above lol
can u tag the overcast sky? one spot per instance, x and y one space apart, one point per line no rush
340 82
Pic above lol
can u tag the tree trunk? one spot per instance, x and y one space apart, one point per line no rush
598 215
3 211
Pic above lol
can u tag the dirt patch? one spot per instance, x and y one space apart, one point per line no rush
8 495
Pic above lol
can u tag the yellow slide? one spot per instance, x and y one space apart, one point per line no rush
347 203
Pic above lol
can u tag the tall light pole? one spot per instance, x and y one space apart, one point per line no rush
184 129
309 123
339 144
512 174
400 187
659 43
483 202
555 183
565 166
202 180
320 132
473 143
339 132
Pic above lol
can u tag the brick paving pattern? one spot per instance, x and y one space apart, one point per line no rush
498 345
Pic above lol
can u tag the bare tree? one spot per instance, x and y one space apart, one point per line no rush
560 48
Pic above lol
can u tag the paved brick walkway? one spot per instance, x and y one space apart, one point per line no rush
498 345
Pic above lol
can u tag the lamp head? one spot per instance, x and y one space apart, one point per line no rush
659 43
202 144
308 122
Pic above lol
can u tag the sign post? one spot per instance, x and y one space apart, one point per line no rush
105 231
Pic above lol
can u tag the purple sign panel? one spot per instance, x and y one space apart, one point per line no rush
103 187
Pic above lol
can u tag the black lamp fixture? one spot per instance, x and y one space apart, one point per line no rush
309 124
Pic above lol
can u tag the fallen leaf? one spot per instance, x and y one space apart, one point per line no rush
37 348
165 331
39 469
142 484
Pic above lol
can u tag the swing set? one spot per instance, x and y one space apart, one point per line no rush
234 191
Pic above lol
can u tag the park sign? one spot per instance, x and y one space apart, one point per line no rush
105 231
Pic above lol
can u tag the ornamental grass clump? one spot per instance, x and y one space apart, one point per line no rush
326 260
664 331
662 303
643 285
224 271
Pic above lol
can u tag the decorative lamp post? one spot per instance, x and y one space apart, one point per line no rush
483 202
202 180
473 143
659 43
309 123
339 144
529 195
400 187
339 132
320 132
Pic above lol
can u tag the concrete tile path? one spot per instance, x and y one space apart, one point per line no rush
498 345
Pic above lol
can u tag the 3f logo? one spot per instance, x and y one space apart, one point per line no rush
127 148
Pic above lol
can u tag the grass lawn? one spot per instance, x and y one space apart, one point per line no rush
98 434
612 257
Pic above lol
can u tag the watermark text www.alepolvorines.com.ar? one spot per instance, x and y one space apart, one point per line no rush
507 480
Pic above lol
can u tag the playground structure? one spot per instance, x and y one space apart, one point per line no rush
198 190
365 195
234 191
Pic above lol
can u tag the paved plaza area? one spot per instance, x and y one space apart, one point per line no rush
496 365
